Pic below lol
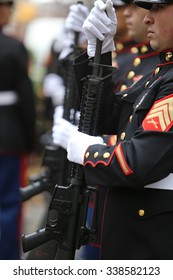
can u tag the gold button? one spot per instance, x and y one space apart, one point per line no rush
130 119
134 50
156 70
131 74
168 56
119 46
122 137
146 84
96 154
106 155
136 62
141 212
124 95
87 155
123 87
144 49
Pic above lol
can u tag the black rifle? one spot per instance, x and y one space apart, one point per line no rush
48 177
58 168
66 220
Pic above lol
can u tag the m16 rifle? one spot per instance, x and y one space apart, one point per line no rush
48 177
57 167
66 220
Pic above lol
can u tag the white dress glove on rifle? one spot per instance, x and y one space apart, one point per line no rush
59 111
74 22
53 87
61 132
78 144
102 24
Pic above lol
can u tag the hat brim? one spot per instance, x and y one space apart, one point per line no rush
147 4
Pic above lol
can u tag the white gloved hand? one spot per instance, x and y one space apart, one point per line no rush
53 87
75 19
74 22
102 24
58 113
61 132
78 144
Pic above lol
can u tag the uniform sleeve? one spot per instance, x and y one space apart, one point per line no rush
26 96
143 159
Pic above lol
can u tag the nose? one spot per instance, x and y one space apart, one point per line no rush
127 11
148 19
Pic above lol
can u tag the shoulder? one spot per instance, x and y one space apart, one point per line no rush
10 41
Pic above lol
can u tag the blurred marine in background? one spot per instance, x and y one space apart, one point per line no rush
17 122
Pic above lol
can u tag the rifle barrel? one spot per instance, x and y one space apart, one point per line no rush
31 190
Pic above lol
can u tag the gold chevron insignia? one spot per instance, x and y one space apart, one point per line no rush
122 161
160 117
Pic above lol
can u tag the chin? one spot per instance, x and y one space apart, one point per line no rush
131 34
154 46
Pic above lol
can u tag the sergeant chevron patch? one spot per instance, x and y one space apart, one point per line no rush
160 117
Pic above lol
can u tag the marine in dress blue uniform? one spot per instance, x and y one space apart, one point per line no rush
17 119
137 221
134 60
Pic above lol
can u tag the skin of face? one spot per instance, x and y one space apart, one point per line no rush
5 14
137 29
122 32
160 26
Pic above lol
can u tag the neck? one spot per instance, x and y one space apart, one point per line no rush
121 38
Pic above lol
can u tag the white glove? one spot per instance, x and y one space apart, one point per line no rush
53 86
74 22
58 113
75 19
78 144
102 24
61 132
